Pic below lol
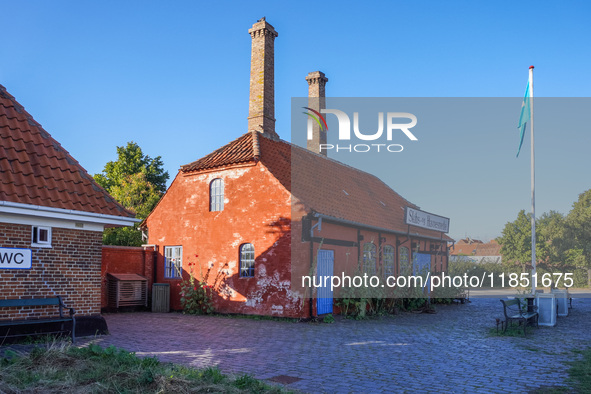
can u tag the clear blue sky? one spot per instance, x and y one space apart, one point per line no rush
174 77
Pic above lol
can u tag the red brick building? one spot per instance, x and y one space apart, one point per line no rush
255 215
469 249
52 212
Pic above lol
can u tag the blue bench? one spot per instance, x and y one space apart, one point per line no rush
36 302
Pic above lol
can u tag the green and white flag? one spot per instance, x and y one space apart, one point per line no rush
525 115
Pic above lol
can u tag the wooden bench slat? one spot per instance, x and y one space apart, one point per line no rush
30 302
32 321
35 302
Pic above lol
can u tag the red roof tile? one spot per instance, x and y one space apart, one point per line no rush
35 169
321 184
241 150
476 248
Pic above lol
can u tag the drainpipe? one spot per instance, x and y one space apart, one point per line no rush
319 225
155 266
311 300
154 261
359 239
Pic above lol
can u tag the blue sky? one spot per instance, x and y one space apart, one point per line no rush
174 77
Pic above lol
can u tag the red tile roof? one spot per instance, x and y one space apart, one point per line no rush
476 248
321 184
35 169
241 150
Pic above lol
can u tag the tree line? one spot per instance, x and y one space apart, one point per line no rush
563 242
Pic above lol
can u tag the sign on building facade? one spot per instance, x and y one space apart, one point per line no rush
13 258
426 220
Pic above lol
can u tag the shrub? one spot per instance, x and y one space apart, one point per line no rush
196 295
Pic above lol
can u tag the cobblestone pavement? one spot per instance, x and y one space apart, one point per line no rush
450 351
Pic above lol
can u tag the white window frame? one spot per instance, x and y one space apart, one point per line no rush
36 241
369 258
404 266
173 262
216 195
247 260
389 260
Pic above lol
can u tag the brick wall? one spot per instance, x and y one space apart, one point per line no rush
258 215
126 260
71 268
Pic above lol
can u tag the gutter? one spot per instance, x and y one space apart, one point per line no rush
67 214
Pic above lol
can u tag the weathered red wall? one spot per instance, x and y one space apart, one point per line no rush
257 210
126 260
349 259
70 269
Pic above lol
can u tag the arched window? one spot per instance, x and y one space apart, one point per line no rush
246 260
216 195
404 261
388 260
369 258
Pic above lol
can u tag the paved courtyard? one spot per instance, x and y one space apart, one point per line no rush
451 351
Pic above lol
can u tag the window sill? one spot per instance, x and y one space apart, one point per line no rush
43 246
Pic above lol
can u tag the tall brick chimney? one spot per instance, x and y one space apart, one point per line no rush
261 108
317 101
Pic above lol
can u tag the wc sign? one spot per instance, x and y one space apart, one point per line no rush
12 258
390 125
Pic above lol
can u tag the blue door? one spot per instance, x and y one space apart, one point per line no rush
421 265
324 293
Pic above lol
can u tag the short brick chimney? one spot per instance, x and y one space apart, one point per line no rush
261 108
317 101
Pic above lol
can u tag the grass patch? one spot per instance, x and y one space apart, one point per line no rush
580 372
512 331
38 339
579 377
329 319
59 367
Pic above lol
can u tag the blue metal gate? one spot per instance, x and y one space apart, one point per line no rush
324 293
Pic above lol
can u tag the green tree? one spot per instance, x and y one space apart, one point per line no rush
515 241
578 228
131 160
137 182
550 241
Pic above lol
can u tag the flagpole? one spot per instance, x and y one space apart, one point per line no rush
533 184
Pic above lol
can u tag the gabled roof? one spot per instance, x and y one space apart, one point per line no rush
242 150
321 184
36 170
491 248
